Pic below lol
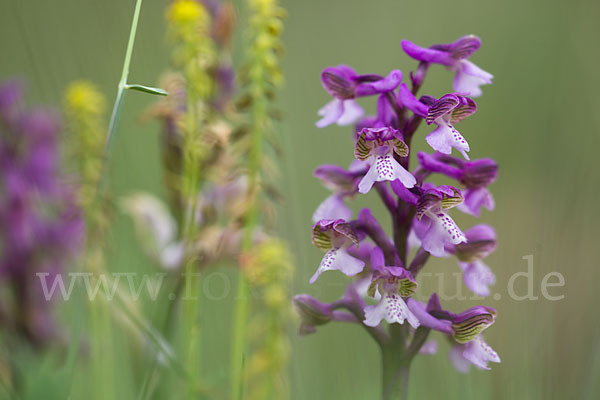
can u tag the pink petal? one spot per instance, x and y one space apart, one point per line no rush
338 259
469 77
332 207
351 114
478 277
331 112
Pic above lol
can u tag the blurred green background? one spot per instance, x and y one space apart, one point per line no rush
539 120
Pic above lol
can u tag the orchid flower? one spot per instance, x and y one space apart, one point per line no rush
475 175
481 241
343 183
345 86
378 145
335 236
392 283
468 76
433 225
446 111
465 329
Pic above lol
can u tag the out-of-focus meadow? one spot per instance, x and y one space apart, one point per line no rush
539 120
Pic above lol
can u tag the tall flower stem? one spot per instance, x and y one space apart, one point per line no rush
116 112
242 305
395 364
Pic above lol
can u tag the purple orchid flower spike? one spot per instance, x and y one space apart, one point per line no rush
335 236
377 146
446 111
481 241
342 183
392 283
345 86
468 76
417 208
433 226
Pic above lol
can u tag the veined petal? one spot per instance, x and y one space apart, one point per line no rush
444 137
363 148
333 207
391 308
336 178
331 113
351 114
469 324
466 107
426 202
312 313
477 173
442 230
444 105
400 147
464 47
321 235
451 199
481 242
339 81
479 353
338 259
427 55
478 277
469 78
387 84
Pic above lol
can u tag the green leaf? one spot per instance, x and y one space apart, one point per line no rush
147 89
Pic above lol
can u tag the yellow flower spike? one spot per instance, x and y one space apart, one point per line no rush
84 97
85 108
185 12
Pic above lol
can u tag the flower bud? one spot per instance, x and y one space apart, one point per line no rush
481 241
479 173
467 325
312 313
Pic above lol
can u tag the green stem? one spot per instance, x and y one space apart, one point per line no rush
395 364
238 347
116 112
242 305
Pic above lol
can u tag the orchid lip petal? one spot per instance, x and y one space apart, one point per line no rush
338 259
392 309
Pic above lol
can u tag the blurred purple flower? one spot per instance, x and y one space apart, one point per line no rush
40 224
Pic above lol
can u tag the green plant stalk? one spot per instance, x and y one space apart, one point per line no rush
192 337
242 306
395 364
116 112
